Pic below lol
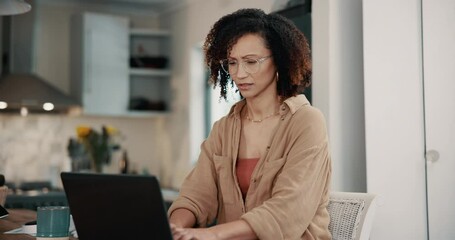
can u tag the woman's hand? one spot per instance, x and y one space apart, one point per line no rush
179 233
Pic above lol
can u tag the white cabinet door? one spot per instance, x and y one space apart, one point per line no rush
105 49
394 132
439 83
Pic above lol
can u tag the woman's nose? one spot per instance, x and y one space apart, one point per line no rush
241 73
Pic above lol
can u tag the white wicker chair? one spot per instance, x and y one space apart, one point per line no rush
351 215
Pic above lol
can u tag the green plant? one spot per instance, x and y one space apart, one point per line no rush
98 146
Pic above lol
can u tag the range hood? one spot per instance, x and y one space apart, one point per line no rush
22 90
28 92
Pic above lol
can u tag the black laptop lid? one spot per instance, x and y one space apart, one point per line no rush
108 206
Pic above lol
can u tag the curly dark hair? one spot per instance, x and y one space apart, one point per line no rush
289 47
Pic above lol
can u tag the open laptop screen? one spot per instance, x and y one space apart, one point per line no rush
106 206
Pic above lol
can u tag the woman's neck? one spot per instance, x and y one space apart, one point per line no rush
260 108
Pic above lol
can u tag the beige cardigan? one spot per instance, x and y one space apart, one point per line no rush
288 193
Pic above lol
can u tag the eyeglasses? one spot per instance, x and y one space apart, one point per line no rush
250 65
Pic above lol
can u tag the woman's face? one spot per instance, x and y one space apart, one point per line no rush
252 84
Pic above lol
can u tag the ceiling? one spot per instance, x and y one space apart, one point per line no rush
141 5
138 2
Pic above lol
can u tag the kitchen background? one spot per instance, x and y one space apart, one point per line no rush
368 77
34 148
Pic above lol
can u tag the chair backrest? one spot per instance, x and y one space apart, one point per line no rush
351 215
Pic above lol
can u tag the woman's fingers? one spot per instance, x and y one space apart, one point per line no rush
179 233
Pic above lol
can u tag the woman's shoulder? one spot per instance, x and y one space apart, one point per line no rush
301 109
309 114
306 119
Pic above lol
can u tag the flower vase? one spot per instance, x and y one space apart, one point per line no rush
95 164
97 167
113 166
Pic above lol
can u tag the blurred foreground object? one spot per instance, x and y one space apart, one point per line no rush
3 190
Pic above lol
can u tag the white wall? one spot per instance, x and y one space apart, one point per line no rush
338 87
394 117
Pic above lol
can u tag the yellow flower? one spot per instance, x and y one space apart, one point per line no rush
111 130
97 145
83 131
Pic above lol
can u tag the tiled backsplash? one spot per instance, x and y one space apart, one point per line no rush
34 148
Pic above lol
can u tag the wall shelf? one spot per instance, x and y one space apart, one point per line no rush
150 72
138 113
118 70
146 32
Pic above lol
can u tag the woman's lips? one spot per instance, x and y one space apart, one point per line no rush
244 86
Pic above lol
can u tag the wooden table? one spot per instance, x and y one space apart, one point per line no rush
15 219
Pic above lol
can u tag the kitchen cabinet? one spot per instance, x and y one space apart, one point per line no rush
99 64
149 71
438 36
116 70
410 117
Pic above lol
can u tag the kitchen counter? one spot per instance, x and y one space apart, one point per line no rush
33 199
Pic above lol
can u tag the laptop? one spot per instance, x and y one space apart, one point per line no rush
107 206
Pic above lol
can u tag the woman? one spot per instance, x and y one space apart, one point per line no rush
264 171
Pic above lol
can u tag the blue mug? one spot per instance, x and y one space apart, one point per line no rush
53 222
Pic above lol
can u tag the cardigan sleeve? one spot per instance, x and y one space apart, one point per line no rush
198 192
301 188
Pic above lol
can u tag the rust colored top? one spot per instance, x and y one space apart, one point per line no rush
244 169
